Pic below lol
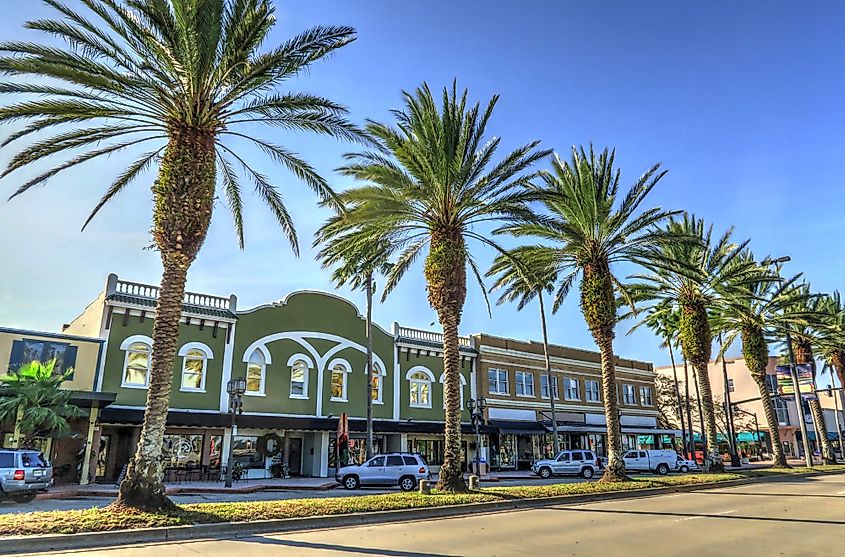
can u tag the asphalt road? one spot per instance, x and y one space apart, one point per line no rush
75 503
790 517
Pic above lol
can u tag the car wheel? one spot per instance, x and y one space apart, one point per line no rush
407 483
545 472
684 469
23 497
662 469
351 482
587 473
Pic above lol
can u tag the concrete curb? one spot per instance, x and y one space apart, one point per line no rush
62 542
177 490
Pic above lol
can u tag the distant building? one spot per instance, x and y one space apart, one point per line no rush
745 394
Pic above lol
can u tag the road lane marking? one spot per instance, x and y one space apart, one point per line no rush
722 513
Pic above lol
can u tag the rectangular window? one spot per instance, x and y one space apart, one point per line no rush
298 377
524 383
254 375
781 411
772 383
136 371
571 389
544 386
193 371
498 379
339 384
375 388
592 390
420 393
730 385
645 396
629 395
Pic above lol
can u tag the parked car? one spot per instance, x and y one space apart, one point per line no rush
23 473
685 465
402 469
659 461
576 463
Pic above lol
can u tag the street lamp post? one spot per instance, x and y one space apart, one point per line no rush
799 409
476 411
236 389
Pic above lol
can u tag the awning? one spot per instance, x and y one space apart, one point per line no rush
831 436
584 428
134 416
512 427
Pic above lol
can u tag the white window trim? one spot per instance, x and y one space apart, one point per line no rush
261 391
517 382
566 390
443 382
633 393
208 354
347 369
427 372
498 391
127 342
587 391
309 365
643 389
382 374
556 386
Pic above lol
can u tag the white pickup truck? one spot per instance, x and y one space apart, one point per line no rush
657 461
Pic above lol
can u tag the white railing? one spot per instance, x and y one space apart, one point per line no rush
429 336
150 292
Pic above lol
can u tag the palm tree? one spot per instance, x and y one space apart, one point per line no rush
431 182
805 336
831 340
356 266
663 320
522 285
32 397
759 312
180 75
587 230
696 277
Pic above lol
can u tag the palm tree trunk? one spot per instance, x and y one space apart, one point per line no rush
183 195
771 419
697 340
598 305
691 446
803 350
445 272
555 441
370 370
704 451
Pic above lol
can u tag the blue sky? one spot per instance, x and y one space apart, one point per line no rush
741 101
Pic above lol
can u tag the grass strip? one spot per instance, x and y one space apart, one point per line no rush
110 518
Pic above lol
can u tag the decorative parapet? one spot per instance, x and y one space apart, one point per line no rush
147 295
422 337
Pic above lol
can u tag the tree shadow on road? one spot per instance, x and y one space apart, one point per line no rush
339 548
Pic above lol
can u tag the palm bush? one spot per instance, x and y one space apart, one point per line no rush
433 178
31 397
185 77
586 228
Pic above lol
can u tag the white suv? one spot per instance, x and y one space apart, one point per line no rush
576 463
402 469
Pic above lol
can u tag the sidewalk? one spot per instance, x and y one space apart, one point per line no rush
188 488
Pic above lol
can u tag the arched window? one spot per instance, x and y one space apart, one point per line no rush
377 385
195 356
339 380
136 366
419 383
256 368
299 379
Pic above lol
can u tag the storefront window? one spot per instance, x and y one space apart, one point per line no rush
430 449
505 457
182 450
215 451
245 451
357 452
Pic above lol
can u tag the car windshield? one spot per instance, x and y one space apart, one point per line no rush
33 460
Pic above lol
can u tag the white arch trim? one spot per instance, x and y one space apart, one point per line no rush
380 370
264 352
420 369
300 338
128 341
443 379
299 356
188 346
340 361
